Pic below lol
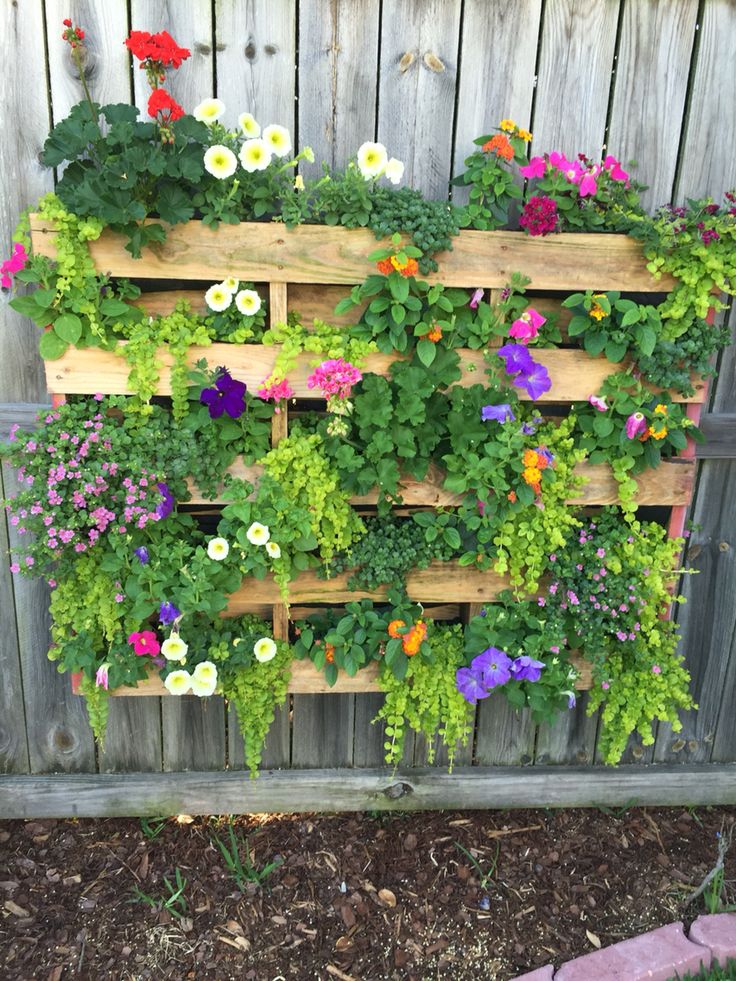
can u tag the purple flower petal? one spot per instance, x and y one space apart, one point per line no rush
498 413
517 358
470 686
525 668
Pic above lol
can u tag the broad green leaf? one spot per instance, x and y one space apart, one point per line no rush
426 352
51 346
69 327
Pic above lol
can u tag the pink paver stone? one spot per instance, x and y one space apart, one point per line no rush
717 932
655 956
539 974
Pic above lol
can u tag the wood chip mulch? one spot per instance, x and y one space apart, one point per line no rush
355 897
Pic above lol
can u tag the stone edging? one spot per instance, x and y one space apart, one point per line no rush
655 956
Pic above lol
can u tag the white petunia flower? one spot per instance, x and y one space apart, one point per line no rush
204 679
248 124
230 284
218 297
277 139
178 682
254 155
298 183
372 159
394 170
218 549
220 161
248 302
257 534
308 154
273 550
174 648
264 650
209 111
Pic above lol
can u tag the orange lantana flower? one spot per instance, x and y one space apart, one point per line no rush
394 627
499 144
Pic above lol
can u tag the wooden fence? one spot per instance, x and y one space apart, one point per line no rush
648 80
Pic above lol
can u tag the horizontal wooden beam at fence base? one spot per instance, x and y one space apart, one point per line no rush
574 374
81 795
307 680
317 254
669 484
719 429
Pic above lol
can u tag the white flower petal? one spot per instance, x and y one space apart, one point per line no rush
220 161
264 650
372 159
277 139
218 549
209 111
255 155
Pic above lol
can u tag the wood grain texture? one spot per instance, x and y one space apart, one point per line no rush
575 65
256 53
25 99
190 24
649 102
58 734
570 739
133 741
338 54
416 103
671 483
104 56
504 736
574 374
719 429
193 733
112 795
318 254
712 109
277 747
13 745
322 731
496 72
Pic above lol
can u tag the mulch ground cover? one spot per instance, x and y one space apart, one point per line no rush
402 897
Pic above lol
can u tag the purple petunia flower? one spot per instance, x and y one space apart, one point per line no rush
227 395
166 505
494 665
168 613
525 668
475 299
498 413
470 685
536 380
142 555
516 357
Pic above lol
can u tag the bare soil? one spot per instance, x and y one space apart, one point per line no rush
355 897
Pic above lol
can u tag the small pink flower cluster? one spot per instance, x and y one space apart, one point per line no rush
13 265
275 391
539 216
334 378
526 327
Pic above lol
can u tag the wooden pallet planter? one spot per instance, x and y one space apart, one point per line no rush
308 269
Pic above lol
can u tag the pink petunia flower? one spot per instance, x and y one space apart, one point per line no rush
535 168
598 403
588 183
144 642
615 169
526 327
476 298
636 424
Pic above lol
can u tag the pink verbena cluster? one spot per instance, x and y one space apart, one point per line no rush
334 378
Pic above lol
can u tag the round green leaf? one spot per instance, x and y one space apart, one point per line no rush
51 346
69 327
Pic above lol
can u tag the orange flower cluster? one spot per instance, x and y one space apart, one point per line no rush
499 144
408 268
534 463
434 335
329 653
413 640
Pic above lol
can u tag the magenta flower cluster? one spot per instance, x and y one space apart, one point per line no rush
580 172
13 265
334 378
539 215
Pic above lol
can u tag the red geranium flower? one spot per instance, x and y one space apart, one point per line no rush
161 102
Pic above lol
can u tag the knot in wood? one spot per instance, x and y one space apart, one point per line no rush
62 740
250 50
723 546
397 790
433 62
407 60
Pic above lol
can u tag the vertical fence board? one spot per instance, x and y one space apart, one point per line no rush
190 24
650 90
13 745
59 736
338 51
504 735
486 97
276 748
193 733
576 59
105 55
133 741
416 102
369 739
711 168
323 727
569 739
256 51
